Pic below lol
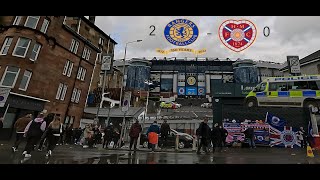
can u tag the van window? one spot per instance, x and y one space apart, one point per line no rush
260 87
278 86
314 85
298 85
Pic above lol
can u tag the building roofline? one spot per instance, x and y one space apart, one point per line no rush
96 28
81 37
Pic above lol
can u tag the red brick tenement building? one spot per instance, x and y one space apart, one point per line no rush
49 63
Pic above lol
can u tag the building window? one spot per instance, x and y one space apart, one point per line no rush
88 54
78 96
66 121
84 53
32 22
74 46
10 76
83 75
17 20
61 92
74 94
98 58
67 70
6 46
25 80
45 25
70 69
101 41
35 52
69 120
21 48
79 73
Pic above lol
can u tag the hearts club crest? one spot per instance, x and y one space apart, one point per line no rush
237 35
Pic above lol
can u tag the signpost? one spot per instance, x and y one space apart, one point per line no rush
294 65
125 108
106 63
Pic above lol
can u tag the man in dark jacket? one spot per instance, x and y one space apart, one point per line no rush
20 125
224 134
134 134
204 136
164 131
108 135
249 133
216 138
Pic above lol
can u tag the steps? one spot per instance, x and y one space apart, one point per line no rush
194 101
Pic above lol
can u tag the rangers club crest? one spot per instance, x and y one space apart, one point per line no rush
181 32
237 35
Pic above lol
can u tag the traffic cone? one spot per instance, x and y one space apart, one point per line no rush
309 152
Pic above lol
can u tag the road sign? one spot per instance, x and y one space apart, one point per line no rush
126 101
293 64
106 63
4 93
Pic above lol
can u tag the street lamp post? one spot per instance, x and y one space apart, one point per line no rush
123 68
148 83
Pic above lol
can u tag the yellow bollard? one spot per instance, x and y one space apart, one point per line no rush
309 152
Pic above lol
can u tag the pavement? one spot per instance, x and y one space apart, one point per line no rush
74 154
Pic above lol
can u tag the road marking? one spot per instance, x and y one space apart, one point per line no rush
96 161
195 114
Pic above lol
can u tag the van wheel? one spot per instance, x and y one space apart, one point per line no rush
181 145
251 103
310 104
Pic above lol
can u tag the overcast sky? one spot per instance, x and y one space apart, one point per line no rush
292 35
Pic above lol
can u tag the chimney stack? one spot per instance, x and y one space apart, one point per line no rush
92 19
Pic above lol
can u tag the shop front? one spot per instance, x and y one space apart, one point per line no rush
16 106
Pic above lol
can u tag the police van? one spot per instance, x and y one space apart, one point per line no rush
293 91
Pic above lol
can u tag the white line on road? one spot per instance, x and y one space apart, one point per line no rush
195 114
96 161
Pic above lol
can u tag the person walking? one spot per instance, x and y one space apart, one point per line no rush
249 134
87 135
48 119
20 125
108 135
216 138
33 133
302 137
53 134
204 135
164 131
134 134
152 134
224 135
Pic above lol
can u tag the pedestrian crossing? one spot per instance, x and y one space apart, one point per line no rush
193 111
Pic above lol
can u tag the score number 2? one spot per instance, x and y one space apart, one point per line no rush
154 28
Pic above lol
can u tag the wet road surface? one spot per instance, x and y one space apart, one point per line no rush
72 154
